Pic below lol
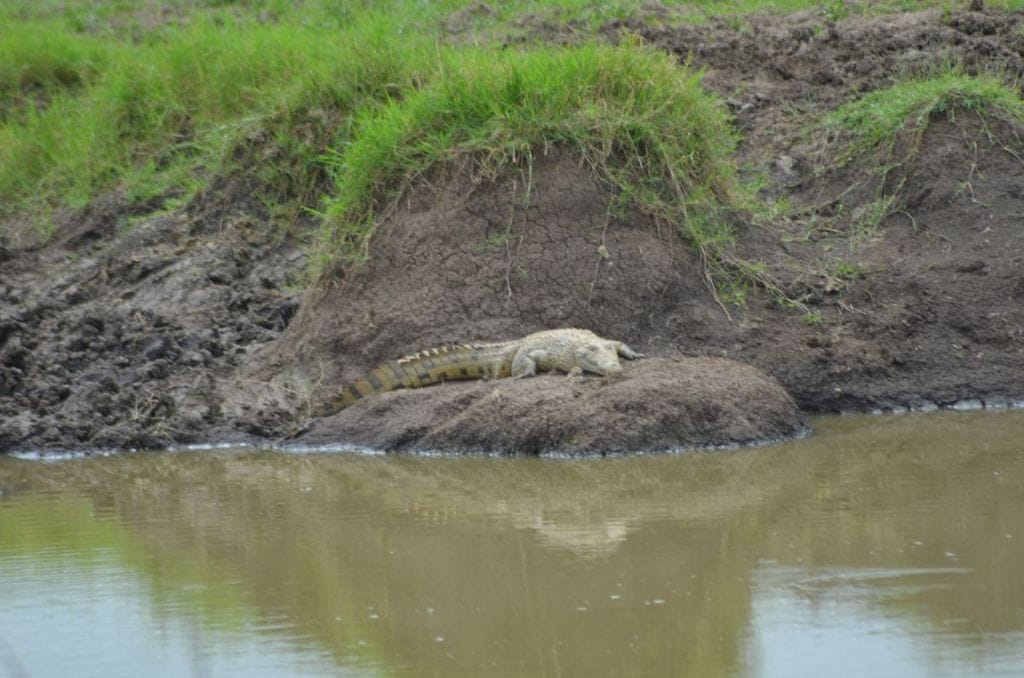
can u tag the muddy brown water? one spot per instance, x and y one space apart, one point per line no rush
880 545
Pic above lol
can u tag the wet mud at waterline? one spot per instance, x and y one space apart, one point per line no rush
128 330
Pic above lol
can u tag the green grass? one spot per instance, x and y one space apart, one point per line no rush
847 270
90 115
634 113
36 62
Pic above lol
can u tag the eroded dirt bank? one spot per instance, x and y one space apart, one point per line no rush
188 327
113 336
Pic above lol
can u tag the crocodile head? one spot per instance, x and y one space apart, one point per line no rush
598 357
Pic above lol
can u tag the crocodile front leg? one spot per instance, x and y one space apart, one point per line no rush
525 362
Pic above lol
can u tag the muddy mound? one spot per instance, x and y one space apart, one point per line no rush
464 260
653 405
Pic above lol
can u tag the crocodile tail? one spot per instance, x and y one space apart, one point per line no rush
385 377
428 367
465 361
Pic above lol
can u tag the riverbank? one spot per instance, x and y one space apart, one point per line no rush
144 324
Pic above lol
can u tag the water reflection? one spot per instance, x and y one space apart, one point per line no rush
898 536
859 620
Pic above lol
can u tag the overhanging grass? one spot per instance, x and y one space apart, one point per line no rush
634 113
877 120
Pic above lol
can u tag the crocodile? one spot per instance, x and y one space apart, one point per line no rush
572 351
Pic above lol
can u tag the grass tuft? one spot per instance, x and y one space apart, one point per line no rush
877 120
